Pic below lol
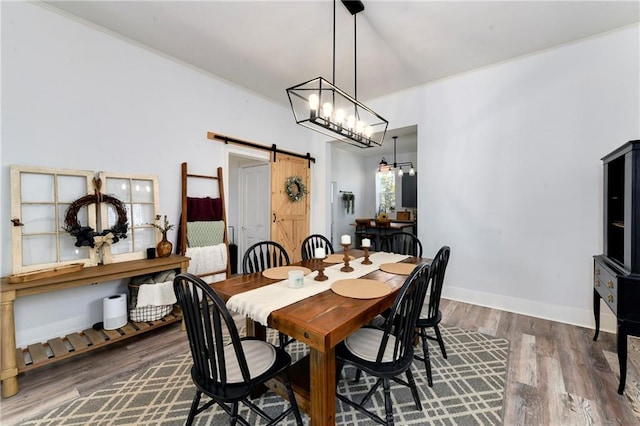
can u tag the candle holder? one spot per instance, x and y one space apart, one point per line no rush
321 276
366 260
346 267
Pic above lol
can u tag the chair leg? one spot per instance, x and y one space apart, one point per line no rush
427 360
292 399
414 390
388 407
282 340
194 408
339 367
358 375
440 341
234 414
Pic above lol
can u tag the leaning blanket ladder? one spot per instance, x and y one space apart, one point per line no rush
184 244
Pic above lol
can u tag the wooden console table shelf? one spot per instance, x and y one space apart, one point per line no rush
13 360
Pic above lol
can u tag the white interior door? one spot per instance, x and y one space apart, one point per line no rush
255 197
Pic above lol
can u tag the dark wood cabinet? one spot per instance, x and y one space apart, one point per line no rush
616 272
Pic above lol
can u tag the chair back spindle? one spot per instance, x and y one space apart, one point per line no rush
312 242
264 255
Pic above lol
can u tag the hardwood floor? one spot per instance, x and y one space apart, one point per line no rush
557 374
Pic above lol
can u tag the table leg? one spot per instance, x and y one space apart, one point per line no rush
323 387
9 365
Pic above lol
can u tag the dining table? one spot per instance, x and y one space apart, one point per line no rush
320 321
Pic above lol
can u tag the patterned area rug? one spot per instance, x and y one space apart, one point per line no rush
468 389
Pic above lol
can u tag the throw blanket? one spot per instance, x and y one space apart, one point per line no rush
204 209
156 290
259 303
205 260
205 233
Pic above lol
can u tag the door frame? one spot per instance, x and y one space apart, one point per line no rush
251 155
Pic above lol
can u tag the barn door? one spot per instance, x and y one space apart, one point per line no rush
289 219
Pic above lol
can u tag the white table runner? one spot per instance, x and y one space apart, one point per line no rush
259 303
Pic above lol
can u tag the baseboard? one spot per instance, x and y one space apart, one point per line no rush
564 314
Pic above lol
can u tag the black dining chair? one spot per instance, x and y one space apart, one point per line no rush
264 255
403 243
430 315
312 242
227 368
387 352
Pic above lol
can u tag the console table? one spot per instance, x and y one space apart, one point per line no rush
13 359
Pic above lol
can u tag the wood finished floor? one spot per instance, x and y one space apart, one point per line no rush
557 374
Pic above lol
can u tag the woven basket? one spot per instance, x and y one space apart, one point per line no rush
144 313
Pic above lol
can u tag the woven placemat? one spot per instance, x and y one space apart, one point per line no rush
337 258
398 268
360 288
282 272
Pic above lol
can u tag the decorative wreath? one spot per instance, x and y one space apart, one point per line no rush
295 188
85 234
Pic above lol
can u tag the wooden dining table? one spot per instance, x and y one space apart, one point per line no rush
321 322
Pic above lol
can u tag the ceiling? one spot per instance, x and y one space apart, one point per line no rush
268 46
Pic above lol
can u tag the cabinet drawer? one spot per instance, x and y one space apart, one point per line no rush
606 284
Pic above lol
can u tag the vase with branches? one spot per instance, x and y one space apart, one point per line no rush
165 246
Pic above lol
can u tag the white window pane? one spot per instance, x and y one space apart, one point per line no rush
144 238
36 187
38 218
38 249
142 191
143 214
124 245
68 250
70 188
112 215
119 188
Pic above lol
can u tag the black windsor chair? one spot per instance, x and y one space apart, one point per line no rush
312 242
430 316
387 352
402 243
264 255
227 372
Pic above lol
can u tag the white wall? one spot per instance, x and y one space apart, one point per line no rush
77 98
349 172
510 174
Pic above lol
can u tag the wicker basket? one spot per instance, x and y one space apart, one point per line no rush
145 313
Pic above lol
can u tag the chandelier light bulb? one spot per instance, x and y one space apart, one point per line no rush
368 131
340 116
327 109
351 121
412 172
400 172
314 102
359 127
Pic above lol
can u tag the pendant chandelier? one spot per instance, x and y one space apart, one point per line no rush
321 106
384 166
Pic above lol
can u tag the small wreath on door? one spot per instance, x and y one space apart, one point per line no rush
85 234
295 188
